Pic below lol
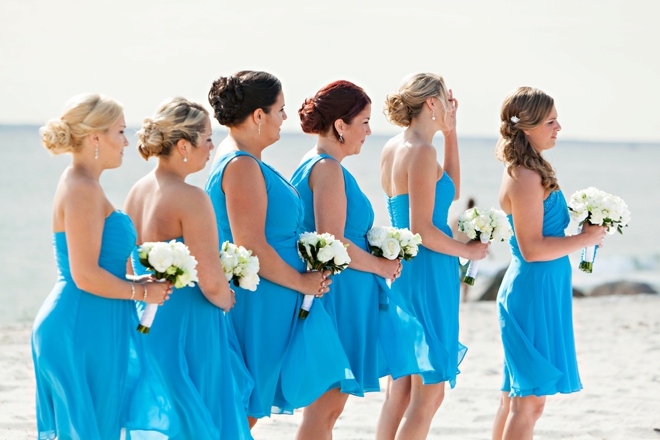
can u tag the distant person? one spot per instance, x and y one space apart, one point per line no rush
339 114
189 336
257 207
419 192
535 298
93 378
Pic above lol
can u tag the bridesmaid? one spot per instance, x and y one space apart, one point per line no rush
535 298
339 114
93 379
257 208
419 192
189 334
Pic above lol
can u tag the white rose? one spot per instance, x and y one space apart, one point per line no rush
376 235
341 255
391 248
596 217
406 236
468 228
326 253
249 282
481 223
160 257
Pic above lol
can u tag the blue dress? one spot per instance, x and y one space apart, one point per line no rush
430 287
535 311
293 361
94 376
352 302
190 341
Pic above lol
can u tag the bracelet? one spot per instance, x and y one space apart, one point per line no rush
144 299
132 291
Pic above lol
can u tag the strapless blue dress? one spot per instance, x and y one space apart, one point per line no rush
535 306
94 376
430 287
190 340
293 361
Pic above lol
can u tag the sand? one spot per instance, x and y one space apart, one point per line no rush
618 343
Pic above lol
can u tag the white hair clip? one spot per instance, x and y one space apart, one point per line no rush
515 119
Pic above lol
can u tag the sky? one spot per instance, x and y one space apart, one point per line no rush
599 59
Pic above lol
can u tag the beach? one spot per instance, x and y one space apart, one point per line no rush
618 346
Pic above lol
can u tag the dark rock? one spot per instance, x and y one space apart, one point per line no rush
490 294
622 288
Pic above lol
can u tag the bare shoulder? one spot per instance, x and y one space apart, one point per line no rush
327 167
524 177
77 186
419 151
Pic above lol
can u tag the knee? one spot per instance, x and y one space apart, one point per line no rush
530 408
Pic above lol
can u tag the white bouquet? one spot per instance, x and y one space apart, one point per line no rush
483 225
393 243
239 265
598 208
168 261
321 252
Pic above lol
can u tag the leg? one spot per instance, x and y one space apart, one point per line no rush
397 398
501 416
319 418
424 402
524 413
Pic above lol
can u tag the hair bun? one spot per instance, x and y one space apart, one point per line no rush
311 119
226 96
150 139
56 136
396 110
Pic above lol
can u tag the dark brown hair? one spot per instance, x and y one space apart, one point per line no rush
235 97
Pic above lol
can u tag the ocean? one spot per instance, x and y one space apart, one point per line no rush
30 176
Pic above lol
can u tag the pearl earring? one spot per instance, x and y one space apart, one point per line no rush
185 158
433 116
96 152
341 138
259 128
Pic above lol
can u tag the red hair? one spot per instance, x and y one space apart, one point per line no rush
338 100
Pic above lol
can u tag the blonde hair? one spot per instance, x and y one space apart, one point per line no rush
82 115
401 107
531 107
175 119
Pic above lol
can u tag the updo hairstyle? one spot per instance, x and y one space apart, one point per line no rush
235 97
175 119
82 116
401 107
524 109
338 100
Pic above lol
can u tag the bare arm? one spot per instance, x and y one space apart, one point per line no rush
327 184
201 236
525 196
85 210
246 209
452 163
422 178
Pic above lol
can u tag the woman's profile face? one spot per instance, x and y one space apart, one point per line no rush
357 131
272 121
201 154
544 136
112 143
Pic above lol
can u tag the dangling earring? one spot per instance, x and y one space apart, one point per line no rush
341 138
96 152
259 128
185 158
433 115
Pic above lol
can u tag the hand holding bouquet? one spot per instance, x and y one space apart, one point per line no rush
240 266
392 243
485 226
321 252
168 261
601 209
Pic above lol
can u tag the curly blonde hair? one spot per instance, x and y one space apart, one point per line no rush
175 119
82 115
401 107
531 107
